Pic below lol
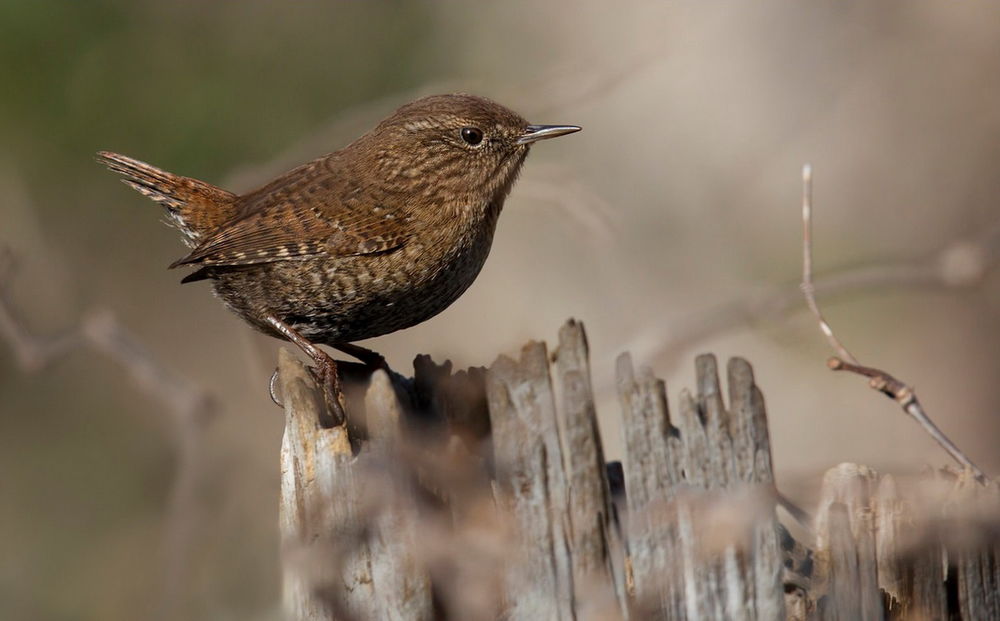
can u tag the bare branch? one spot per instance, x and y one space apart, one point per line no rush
32 353
190 408
100 331
878 379
807 280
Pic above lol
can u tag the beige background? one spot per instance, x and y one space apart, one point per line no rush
680 197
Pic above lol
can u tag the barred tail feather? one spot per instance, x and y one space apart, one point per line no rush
196 208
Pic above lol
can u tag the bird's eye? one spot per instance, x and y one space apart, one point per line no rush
472 135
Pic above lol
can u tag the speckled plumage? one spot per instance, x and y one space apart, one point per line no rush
378 236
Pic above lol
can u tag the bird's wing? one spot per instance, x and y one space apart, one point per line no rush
312 211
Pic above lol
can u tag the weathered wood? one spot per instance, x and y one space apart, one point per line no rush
401 587
456 400
327 574
741 580
346 540
977 552
748 426
880 553
398 517
596 551
911 572
653 471
716 454
531 483
845 583
845 544
551 477
752 454
673 475
722 589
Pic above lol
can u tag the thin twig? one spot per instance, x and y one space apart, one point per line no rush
32 353
807 281
878 379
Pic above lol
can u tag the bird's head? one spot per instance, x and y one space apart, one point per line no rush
460 147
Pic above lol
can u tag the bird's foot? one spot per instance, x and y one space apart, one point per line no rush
332 394
325 370
328 378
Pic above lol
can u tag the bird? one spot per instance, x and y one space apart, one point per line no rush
378 236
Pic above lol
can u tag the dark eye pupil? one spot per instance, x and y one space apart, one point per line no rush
472 135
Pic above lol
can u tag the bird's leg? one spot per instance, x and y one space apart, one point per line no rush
325 369
370 358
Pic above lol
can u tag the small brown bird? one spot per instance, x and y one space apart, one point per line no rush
378 236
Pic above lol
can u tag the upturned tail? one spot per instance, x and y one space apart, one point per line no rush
196 208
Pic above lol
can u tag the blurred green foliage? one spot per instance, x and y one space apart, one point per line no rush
197 88
193 86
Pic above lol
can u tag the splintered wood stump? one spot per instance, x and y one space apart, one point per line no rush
347 537
928 553
703 538
485 494
552 482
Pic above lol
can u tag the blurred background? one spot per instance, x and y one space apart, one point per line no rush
670 226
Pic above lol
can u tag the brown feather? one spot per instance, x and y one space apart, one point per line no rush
315 211
196 208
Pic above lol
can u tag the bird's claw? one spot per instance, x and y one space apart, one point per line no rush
325 376
273 388
328 377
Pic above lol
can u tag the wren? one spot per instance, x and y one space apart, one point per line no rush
376 237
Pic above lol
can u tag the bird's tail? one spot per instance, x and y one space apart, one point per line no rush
196 208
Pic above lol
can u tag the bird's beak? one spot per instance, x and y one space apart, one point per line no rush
534 133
